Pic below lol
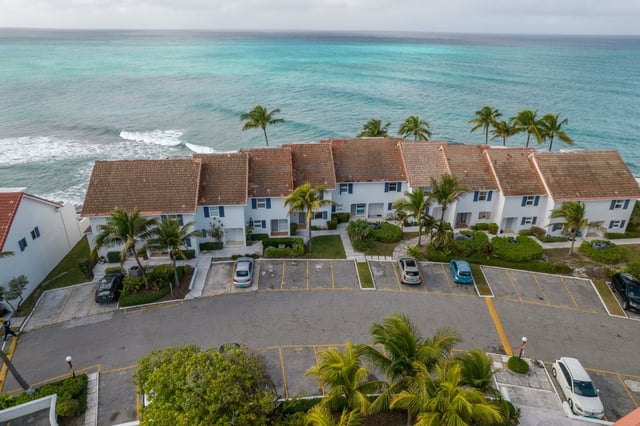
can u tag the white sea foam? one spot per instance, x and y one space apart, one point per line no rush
199 149
156 137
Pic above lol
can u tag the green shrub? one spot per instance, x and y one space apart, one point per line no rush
493 228
538 232
143 298
518 249
387 233
525 232
68 408
609 255
510 413
160 276
480 227
113 256
362 245
552 239
112 270
86 265
288 242
478 244
416 252
211 245
619 235
341 217
259 237
132 285
632 268
293 228
188 254
332 224
518 365
278 252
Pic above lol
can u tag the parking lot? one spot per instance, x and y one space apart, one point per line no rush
634 315
436 279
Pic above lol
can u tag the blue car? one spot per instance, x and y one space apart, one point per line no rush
461 271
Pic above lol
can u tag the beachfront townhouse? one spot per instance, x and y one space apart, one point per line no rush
599 179
38 232
270 180
159 189
369 176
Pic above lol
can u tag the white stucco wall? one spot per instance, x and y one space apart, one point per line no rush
234 218
277 210
368 193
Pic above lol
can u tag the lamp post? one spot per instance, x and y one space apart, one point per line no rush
68 359
523 342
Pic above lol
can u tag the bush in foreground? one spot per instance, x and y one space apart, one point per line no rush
518 365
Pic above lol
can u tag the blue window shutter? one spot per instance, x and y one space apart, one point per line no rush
350 188
536 200
333 208
626 206
622 224
399 187
180 220
612 205
522 221
221 211
489 195
390 206
38 230
188 242
324 215
475 195
524 201
206 211
264 224
610 224
254 203
268 203
386 187
533 221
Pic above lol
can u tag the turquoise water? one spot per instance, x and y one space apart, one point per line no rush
68 98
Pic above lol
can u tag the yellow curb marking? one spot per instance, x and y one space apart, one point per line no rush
498 325
566 287
284 374
624 385
64 305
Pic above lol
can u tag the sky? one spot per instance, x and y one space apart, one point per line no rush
598 17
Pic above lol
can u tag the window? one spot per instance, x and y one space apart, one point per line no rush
23 244
261 203
279 225
619 204
338 207
214 211
616 224
484 215
318 215
529 220
257 224
360 209
35 233
393 186
556 227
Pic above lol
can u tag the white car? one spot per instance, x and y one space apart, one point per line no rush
578 388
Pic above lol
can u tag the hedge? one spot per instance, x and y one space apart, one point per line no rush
518 249
211 245
479 244
113 256
286 241
277 252
259 237
386 233
610 255
619 235
341 217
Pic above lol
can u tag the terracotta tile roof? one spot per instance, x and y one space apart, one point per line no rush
224 178
9 202
423 161
270 172
470 166
583 175
313 163
515 171
151 186
367 160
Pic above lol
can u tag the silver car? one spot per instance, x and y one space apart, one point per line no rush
409 271
578 388
243 272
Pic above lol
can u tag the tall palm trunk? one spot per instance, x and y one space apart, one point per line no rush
550 142
573 241
266 139
528 137
142 271
175 273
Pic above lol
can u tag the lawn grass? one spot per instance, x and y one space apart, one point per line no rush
366 280
66 273
608 297
481 282
326 247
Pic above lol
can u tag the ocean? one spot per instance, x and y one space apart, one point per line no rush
68 98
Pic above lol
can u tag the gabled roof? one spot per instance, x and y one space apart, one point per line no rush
312 163
423 161
515 171
152 186
470 166
367 160
586 175
9 202
270 172
224 178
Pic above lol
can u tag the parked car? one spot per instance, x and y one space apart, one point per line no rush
109 288
461 271
243 275
578 388
628 287
409 271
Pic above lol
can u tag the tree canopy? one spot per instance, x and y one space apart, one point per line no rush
259 118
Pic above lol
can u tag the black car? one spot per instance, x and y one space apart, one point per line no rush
628 287
109 288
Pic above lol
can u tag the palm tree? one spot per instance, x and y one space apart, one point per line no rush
170 235
320 415
504 130
446 191
374 129
552 127
415 206
573 214
6 253
308 199
404 348
346 378
126 229
526 121
445 401
477 371
414 126
485 118
260 117
442 235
